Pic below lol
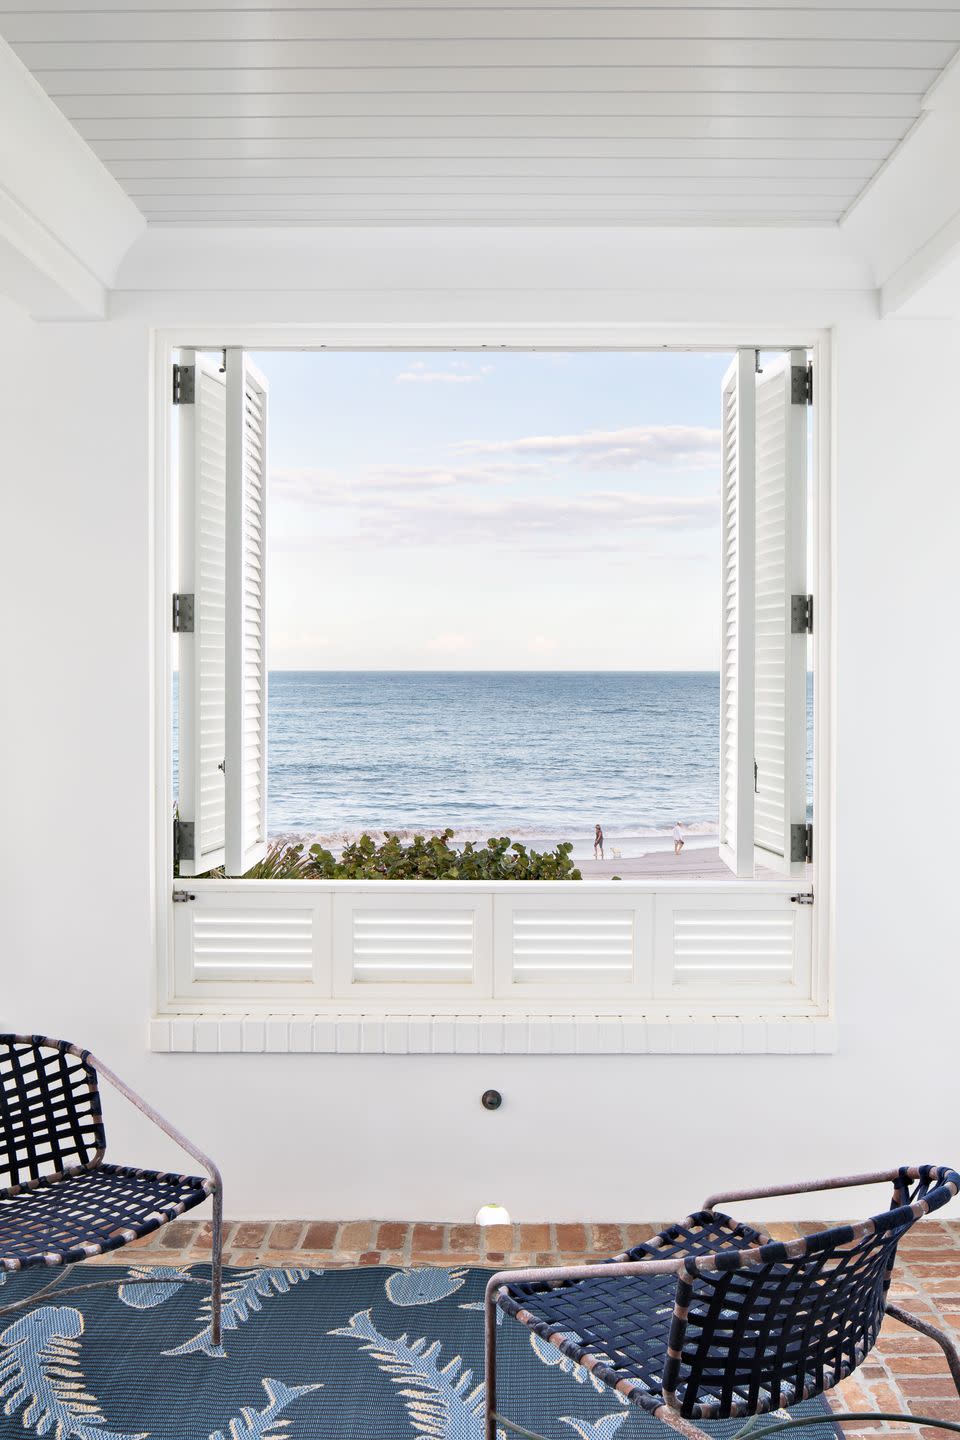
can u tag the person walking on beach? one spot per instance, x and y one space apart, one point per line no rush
598 842
677 838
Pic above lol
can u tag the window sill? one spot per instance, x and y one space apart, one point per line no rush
352 1033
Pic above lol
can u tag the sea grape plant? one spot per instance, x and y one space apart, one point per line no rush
425 857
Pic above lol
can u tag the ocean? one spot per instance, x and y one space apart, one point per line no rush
539 755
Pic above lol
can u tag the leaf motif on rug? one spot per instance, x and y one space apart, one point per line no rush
242 1298
479 1305
423 1285
441 1400
601 1429
253 1424
550 1355
40 1373
146 1289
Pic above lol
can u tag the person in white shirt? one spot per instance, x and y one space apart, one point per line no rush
677 838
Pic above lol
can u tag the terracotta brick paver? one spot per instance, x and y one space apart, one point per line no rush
905 1371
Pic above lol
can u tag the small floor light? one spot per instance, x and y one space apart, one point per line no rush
493 1215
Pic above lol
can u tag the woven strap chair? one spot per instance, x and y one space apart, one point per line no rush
59 1201
712 1320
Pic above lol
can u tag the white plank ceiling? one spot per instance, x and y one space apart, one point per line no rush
453 111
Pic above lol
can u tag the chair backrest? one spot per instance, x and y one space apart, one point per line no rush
50 1120
757 1329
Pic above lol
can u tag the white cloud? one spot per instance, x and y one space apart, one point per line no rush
607 519
457 374
530 519
691 446
312 485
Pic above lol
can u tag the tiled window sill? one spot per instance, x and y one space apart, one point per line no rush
408 1034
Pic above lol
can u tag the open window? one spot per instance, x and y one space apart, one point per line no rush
721 947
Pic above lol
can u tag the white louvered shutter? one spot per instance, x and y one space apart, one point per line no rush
738 405
780 718
202 497
246 661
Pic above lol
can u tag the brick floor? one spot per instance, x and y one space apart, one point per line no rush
905 1372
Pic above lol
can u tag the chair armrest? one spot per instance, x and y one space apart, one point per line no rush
586 1271
147 1109
801 1187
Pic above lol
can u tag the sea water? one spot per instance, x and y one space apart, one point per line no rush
541 756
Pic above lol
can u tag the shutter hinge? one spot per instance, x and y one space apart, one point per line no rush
184 384
801 384
182 897
183 840
804 898
801 614
801 843
183 614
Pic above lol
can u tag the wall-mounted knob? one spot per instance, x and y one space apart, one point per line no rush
491 1099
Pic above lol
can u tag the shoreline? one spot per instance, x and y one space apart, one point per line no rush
656 848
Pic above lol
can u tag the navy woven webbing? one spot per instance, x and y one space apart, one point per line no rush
742 1329
50 1120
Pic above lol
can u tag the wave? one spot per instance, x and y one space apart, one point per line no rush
544 834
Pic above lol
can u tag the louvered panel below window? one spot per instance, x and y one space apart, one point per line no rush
268 943
742 946
579 945
422 947
553 947
413 947
260 945
476 949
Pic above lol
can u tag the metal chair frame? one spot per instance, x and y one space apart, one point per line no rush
668 1412
215 1189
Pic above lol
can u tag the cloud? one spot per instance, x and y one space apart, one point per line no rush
541 645
529 520
690 446
457 374
313 485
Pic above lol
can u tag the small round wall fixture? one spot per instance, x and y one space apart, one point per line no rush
491 1099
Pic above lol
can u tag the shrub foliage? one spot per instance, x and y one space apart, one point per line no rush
422 858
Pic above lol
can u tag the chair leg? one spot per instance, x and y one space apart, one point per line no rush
931 1331
677 1422
40 1294
835 1417
216 1266
490 1365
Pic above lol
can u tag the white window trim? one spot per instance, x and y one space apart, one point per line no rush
565 1026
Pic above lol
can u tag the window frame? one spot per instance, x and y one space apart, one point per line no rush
567 1024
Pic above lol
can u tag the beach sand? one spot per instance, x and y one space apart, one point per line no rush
693 863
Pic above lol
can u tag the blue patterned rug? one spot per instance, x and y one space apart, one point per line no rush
369 1354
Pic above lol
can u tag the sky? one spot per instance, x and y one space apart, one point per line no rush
493 510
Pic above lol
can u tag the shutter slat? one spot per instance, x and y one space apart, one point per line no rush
202 505
780 657
562 947
410 947
738 428
246 669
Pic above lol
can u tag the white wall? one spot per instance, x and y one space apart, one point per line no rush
642 1137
